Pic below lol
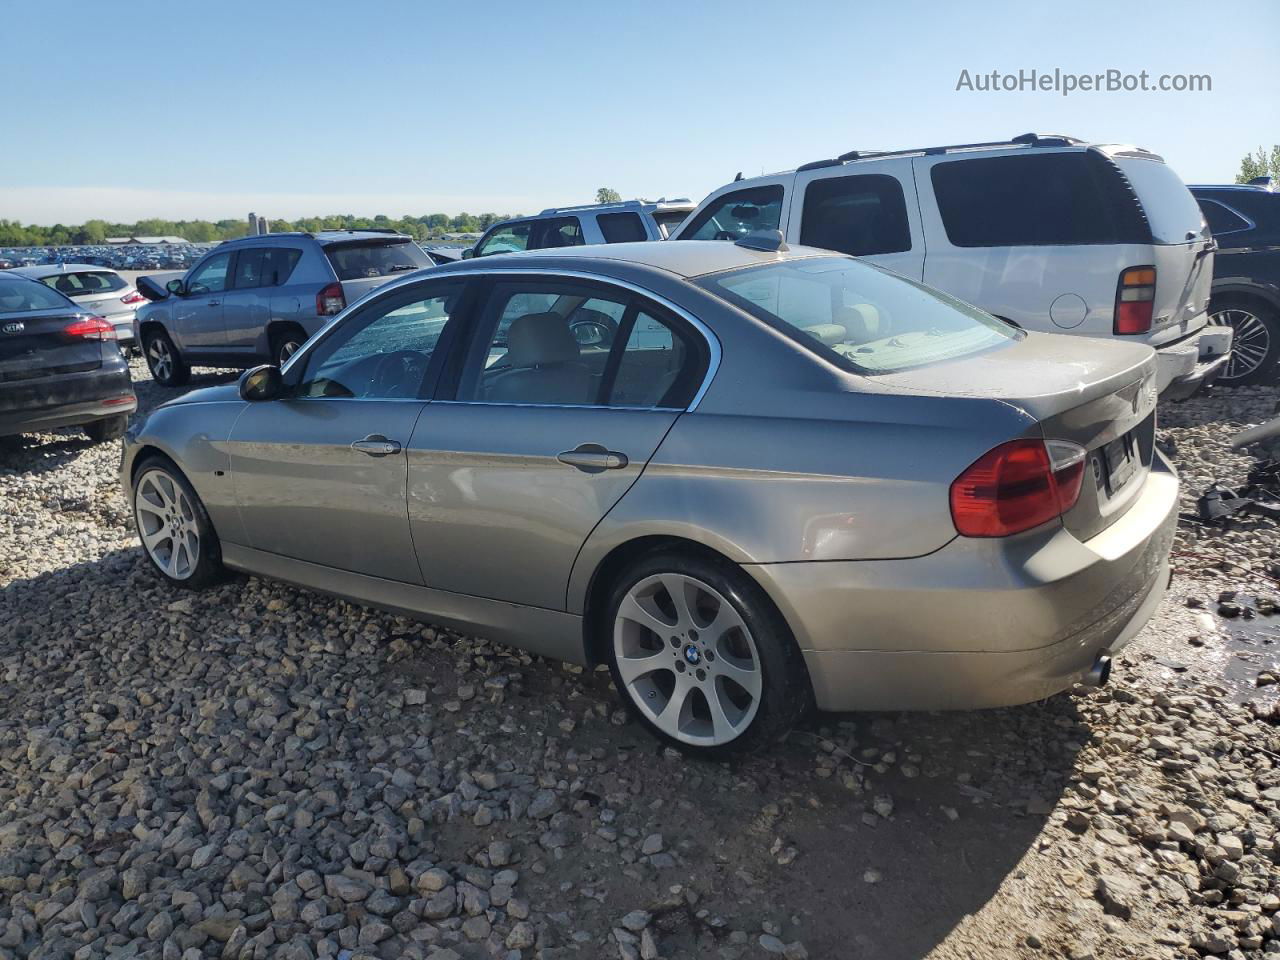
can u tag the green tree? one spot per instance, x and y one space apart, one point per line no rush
1260 164
608 195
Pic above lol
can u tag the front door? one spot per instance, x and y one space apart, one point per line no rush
197 313
320 475
566 390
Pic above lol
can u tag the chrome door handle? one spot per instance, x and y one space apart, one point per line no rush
593 458
376 445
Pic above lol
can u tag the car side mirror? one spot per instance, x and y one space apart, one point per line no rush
468 253
261 383
175 287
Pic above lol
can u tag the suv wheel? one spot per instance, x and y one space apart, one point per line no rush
701 657
285 343
163 360
1255 347
174 528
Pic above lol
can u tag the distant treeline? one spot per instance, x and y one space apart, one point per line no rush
14 234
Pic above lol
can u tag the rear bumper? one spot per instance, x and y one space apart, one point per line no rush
979 623
66 401
1188 365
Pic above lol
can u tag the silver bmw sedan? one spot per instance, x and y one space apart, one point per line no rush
750 479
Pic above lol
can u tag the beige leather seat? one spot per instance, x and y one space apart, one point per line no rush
545 366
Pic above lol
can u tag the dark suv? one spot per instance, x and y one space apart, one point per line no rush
257 299
1245 220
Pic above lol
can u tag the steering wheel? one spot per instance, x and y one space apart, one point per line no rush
592 328
398 374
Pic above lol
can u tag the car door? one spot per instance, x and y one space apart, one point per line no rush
320 474
563 392
197 313
246 305
870 213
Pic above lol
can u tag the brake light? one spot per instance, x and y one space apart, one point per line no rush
132 297
1018 485
330 300
90 328
1135 300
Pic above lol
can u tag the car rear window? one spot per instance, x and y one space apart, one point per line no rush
1035 199
858 316
19 296
95 281
358 260
1171 210
737 214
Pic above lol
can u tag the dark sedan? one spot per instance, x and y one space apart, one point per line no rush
59 365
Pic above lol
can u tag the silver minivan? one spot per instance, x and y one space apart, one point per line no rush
258 298
1048 232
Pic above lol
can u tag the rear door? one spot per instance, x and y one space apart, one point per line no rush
246 306
197 314
363 265
870 213
564 391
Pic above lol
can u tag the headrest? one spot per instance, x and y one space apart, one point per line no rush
540 338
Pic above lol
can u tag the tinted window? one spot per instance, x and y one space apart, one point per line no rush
859 316
210 276
278 264
860 216
382 352
659 365
667 222
19 295
1220 219
249 268
736 214
621 227
1171 209
508 238
77 284
358 261
1008 201
558 232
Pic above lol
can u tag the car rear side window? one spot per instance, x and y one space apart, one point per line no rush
557 232
1171 210
377 258
248 272
83 282
737 214
278 264
1222 219
621 227
1053 198
860 215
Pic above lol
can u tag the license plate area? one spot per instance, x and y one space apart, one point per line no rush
1116 464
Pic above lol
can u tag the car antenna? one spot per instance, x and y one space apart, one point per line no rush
738 177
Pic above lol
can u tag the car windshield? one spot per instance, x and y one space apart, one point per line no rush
859 316
19 296
356 261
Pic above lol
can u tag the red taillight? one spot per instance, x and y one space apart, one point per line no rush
90 328
1018 485
1135 300
132 297
330 300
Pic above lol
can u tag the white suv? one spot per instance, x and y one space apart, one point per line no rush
1048 232
622 222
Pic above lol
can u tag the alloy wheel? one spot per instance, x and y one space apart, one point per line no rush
167 524
1250 344
687 659
287 350
160 358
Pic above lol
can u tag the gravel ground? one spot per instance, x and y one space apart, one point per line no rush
260 771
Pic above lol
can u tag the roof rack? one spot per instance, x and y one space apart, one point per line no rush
1023 139
616 204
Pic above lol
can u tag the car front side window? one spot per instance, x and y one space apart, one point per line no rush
737 214
210 276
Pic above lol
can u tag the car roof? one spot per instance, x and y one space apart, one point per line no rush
684 258
53 269
1249 188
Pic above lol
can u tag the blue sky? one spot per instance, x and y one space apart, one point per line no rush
178 109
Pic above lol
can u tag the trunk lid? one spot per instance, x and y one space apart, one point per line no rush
105 304
34 344
1098 394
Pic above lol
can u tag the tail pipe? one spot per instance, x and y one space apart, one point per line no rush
1099 673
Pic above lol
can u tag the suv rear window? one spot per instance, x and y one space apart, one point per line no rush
859 215
374 258
621 227
75 284
1051 198
737 214
1221 219
858 316
1171 210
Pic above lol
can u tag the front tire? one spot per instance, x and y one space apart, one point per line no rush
174 528
1255 348
701 657
108 428
163 360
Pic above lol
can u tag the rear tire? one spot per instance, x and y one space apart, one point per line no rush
109 428
166 364
1255 349
173 526
701 657
285 343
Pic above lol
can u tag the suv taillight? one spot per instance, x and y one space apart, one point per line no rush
1018 485
330 300
132 297
90 328
1135 299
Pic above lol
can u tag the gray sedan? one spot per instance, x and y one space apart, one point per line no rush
749 479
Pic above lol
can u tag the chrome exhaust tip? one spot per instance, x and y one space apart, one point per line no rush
1099 673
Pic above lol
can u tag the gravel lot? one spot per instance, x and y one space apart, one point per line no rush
260 771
